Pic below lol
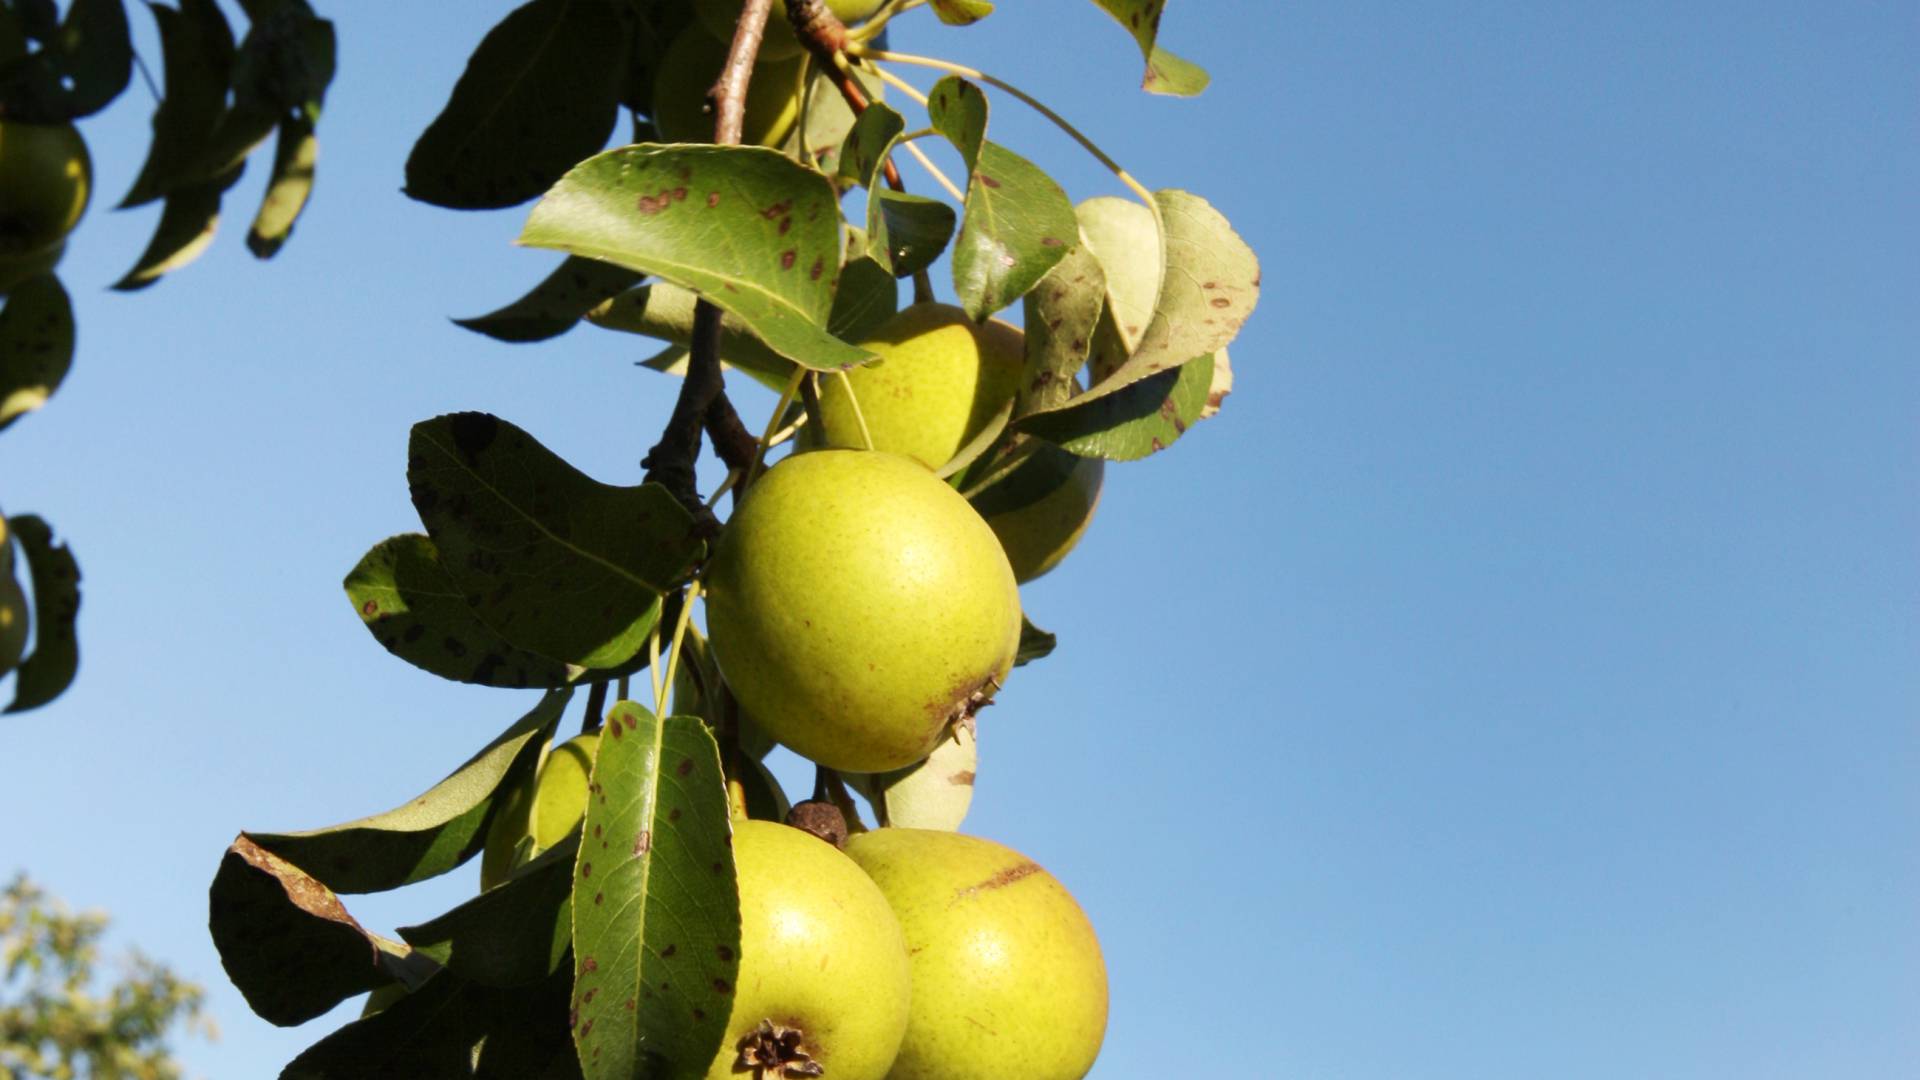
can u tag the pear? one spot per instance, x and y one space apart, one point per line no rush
824 979
1042 508
1007 975
46 178
690 66
540 815
857 606
939 380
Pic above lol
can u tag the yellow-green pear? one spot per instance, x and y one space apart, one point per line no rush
688 69
535 817
1042 508
1007 975
940 378
46 178
856 605
823 967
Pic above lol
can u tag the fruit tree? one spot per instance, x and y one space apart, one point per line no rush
847 584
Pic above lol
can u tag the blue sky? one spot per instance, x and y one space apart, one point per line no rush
1518 679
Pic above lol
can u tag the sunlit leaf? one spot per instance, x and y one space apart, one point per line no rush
745 227
932 794
1061 315
961 12
287 190
656 914
1166 73
187 224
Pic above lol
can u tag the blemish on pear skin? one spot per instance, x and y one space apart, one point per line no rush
998 881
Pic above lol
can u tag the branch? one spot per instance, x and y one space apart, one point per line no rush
702 403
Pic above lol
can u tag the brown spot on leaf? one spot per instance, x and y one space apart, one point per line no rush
685 767
669 950
788 258
989 181
643 843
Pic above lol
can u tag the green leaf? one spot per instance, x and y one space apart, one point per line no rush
412 607
1035 643
197 45
551 308
1209 285
428 835
496 938
1142 418
79 68
289 945
187 224
864 152
1166 73
932 794
656 915
906 233
540 93
747 228
432 1033
36 345
287 191
961 12
1061 316
828 118
553 560
47 671
1018 222
1123 235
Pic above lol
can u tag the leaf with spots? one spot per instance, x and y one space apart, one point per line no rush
554 561
187 223
1210 282
1141 419
289 945
1035 643
868 142
540 93
828 118
81 65
433 833
451 1027
496 938
294 157
1124 238
36 345
197 46
1018 223
961 12
747 228
1166 73
1061 316
551 308
412 607
48 670
906 233
656 913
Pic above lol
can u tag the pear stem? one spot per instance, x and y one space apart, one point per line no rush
596 708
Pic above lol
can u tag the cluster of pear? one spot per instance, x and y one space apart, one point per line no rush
774 93
46 178
860 609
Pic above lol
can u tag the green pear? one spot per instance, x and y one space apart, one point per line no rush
46 178
1007 975
939 380
857 606
688 69
823 975
537 816
1042 508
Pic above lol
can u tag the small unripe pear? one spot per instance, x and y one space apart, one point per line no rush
1007 975
688 69
46 178
940 378
856 606
823 967
534 819
1042 508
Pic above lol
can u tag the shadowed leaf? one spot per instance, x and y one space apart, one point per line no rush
554 561
656 914
496 938
81 65
187 224
1062 313
289 945
1142 418
428 835
540 93
36 345
1035 643
412 607
48 670
197 46
552 307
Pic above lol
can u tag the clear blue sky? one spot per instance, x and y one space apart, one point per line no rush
1521 678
